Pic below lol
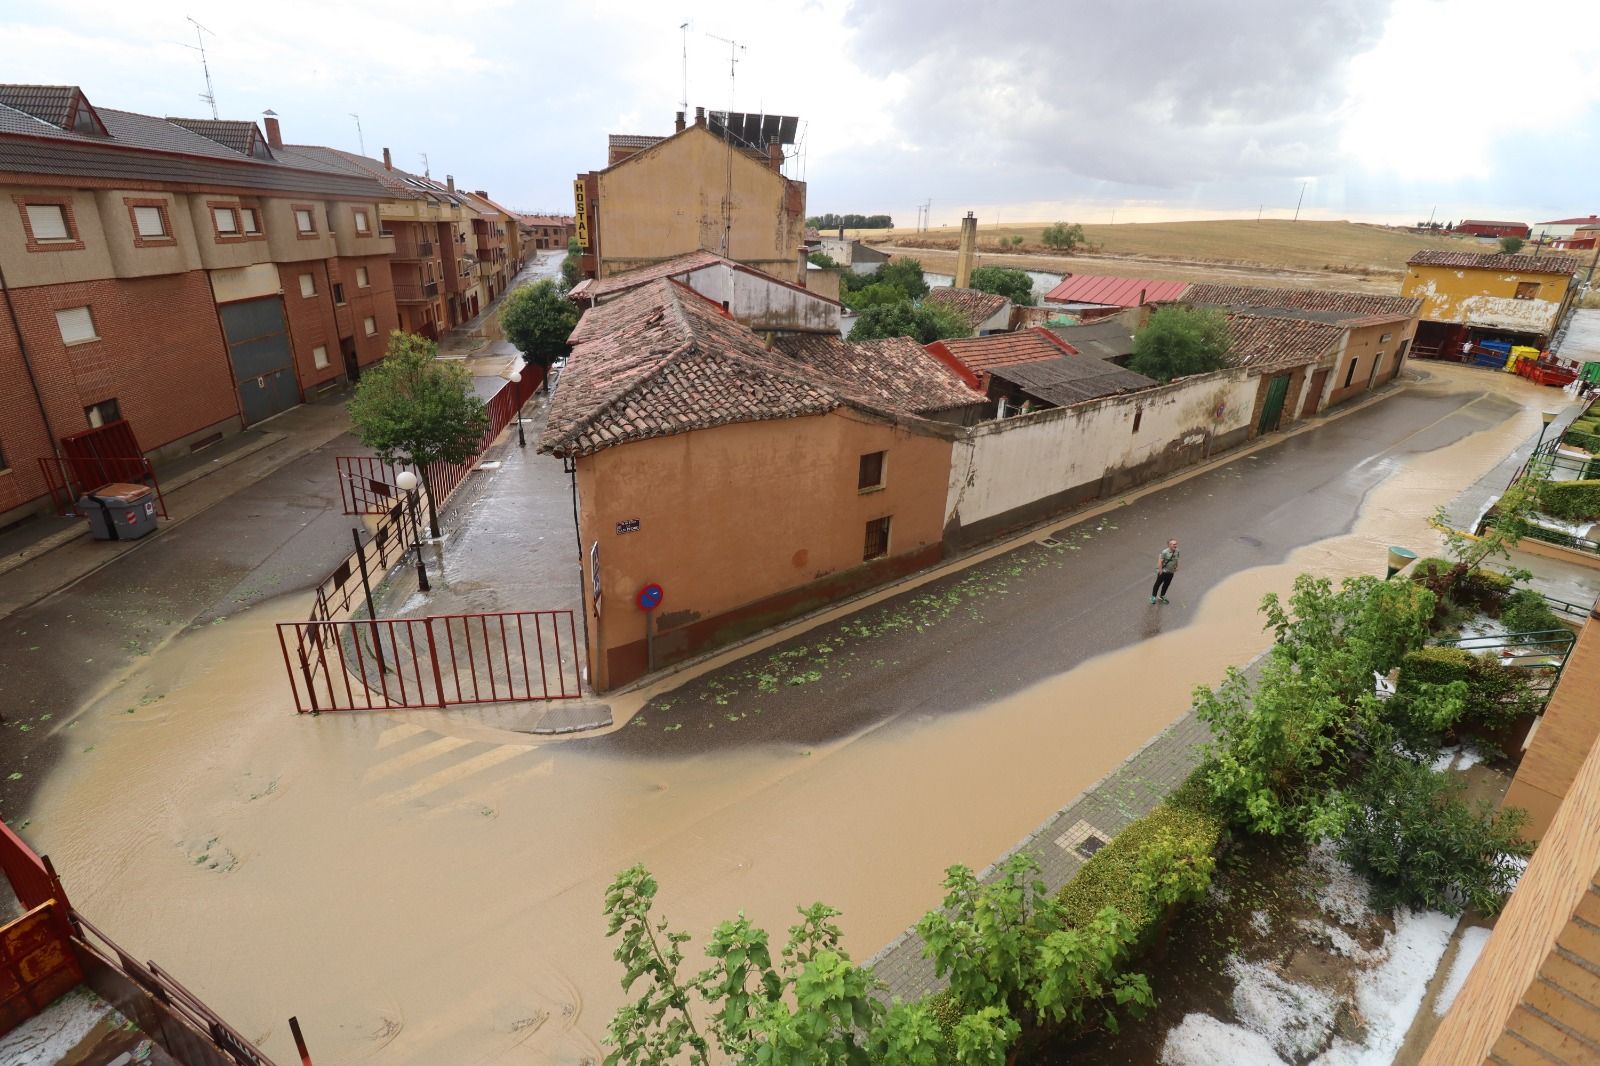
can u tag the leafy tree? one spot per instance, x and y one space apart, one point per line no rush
1508 522
538 318
1014 285
571 271
822 259
1179 341
925 323
905 275
1511 245
1016 240
1062 236
415 410
834 221
877 294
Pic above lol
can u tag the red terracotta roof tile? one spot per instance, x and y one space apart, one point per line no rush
1262 342
896 370
1006 349
1510 264
1357 305
973 305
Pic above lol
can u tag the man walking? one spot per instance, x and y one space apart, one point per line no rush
1166 566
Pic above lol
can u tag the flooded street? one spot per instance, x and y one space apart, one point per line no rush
420 889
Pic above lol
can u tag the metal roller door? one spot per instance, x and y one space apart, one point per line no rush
263 363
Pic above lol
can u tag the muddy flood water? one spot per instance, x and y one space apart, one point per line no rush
419 889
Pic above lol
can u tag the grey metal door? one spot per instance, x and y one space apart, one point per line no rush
263 364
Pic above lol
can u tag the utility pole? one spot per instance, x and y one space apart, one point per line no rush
210 95
1260 208
359 138
1300 201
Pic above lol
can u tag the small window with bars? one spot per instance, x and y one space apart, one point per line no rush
877 545
871 473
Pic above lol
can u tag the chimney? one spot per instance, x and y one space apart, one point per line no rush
699 116
775 155
388 164
677 124
274 134
450 182
841 233
969 244
480 192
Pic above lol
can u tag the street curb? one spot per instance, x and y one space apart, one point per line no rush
973 555
56 540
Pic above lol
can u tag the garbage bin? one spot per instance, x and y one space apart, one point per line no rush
120 511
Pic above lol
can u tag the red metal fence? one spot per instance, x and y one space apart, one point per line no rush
367 485
65 479
435 661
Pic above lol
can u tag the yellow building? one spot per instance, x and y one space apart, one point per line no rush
1468 297
699 189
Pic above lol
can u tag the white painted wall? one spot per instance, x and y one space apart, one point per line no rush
762 304
999 466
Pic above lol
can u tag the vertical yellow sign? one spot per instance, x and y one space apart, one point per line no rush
582 203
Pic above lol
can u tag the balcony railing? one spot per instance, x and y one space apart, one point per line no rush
406 249
410 292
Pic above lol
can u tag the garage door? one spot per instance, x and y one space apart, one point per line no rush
258 349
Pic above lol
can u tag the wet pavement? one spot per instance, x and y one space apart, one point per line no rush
996 628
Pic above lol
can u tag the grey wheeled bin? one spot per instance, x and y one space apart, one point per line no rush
120 511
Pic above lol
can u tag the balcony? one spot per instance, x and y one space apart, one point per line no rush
410 292
412 249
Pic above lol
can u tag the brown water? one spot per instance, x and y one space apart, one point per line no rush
422 890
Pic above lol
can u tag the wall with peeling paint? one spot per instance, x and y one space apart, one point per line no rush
1006 474
1487 299
763 304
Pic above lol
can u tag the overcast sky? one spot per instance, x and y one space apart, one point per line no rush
1015 109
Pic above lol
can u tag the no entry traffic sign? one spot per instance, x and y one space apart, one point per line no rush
650 597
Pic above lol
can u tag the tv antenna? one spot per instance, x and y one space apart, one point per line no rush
359 138
734 48
684 28
210 95
424 157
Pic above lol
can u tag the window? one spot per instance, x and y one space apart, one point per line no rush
252 223
370 324
150 222
48 222
101 413
226 220
1138 416
362 224
308 285
1527 290
304 221
76 325
1385 338
877 539
871 474
338 293
1350 375
361 278
319 355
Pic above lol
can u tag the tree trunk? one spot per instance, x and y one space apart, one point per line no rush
433 513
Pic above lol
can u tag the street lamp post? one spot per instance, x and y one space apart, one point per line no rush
522 440
1547 417
407 481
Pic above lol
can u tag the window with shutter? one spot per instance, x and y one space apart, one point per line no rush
308 285
76 325
304 221
151 221
48 222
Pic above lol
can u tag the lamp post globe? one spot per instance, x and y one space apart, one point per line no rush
522 438
406 480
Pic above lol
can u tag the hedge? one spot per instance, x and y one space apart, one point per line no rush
1589 442
1106 880
1497 695
1572 501
1435 665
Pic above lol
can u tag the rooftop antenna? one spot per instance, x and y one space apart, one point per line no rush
734 48
209 96
359 138
424 157
684 27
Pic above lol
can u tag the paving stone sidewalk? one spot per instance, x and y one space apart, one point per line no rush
1066 840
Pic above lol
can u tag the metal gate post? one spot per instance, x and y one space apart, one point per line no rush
433 654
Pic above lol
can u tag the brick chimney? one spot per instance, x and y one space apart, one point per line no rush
699 116
480 192
775 155
966 251
450 182
388 164
274 134
677 124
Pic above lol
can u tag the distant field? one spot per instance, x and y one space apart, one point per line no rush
1343 247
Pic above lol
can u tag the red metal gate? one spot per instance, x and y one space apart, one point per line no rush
435 661
101 456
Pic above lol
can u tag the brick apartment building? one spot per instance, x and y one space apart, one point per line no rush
174 273
542 232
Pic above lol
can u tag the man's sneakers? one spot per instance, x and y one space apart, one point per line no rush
1152 599
1165 600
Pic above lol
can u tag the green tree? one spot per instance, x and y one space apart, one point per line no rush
1014 285
415 410
538 319
571 270
1511 245
877 294
1179 341
1508 522
905 275
1063 237
822 259
924 323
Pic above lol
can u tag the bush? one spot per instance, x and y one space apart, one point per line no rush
1526 611
1435 665
1062 237
1179 341
1589 442
1422 845
1014 285
1479 588
1185 839
1571 501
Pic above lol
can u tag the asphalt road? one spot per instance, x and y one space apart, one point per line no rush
1002 625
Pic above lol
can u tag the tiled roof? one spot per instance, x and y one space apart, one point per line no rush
632 140
1262 342
1261 297
1023 317
897 370
1109 338
1488 222
47 103
973 305
230 134
1007 349
1112 292
546 220
1072 379
1510 264
632 279
1571 221
662 360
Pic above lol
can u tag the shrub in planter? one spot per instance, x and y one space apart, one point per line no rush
1163 859
1435 665
1571 501
1526 611
1422 845
1589 442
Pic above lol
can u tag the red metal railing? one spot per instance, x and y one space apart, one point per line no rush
69 480
367 485
435 661
344 590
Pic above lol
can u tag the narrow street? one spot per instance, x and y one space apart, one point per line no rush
419 887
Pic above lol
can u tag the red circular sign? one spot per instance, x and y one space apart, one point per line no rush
650 597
